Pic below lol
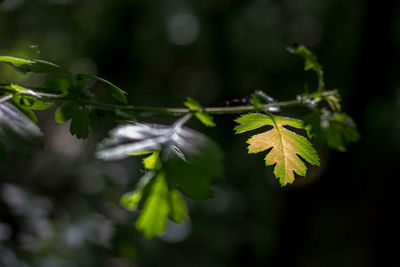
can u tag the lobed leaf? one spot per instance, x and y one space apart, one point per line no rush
66 111
286 146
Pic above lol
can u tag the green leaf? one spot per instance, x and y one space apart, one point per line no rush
153 162
336 129
26 110
178 209
205 118
40 105
62 85
193 177
311 63
25 65
192 104
116 92
153 218
66 111
259 98
202 116
31 102
285 145
131 200
80 123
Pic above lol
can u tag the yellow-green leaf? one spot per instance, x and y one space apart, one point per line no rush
153 219
286 146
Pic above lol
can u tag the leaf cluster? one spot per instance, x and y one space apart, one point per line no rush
179 163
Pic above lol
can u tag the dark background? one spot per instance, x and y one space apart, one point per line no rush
59 207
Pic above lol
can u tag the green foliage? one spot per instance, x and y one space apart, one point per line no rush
180 160
34 65
80 123
259 98
201 115
177 160
310 63
336 129
153 218
66 111
285 145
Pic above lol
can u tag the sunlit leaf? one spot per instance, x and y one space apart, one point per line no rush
153 218
205 118
131 200
192 104
201 115
34 65
178 210
153 162
286 146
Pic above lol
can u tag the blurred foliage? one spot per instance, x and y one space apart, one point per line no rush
59 206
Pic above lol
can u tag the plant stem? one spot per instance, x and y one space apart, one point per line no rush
158 110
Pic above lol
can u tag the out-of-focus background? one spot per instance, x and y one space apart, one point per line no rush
59 207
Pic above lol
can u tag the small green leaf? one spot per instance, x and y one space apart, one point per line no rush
40 105
66 111
311 63
259 98
131 200
192 104
153 218
25 65
205 118
178 210
153 162
116 92
80 124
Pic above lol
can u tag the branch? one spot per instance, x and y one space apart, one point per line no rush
158 110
